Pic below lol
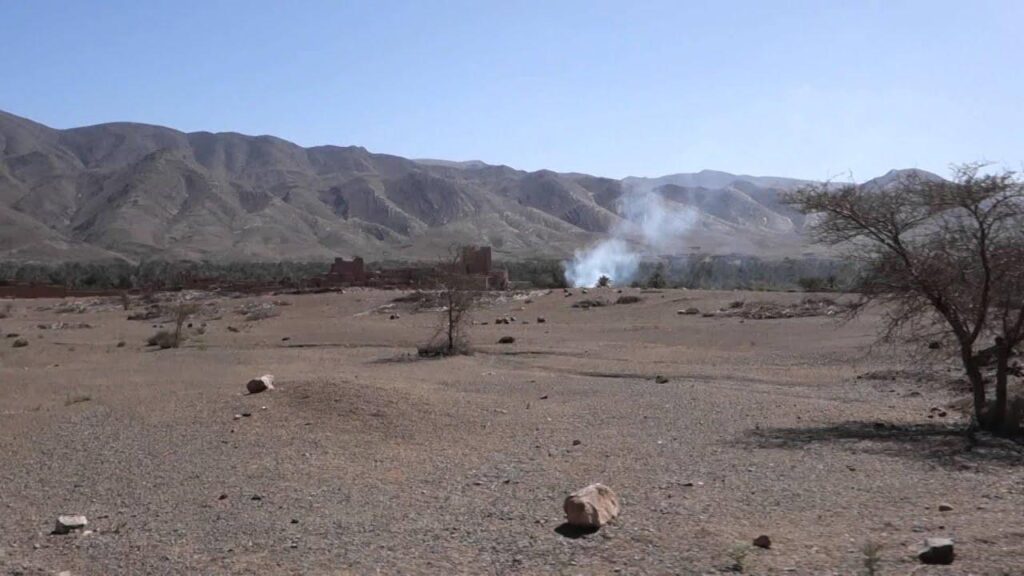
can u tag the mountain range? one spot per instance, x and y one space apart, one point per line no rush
136 191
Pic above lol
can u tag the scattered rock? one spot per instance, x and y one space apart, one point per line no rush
68 522
934 345
661 379
763 541
688 311
121 344
286 338
591 507
232 329
937 551
20 343
394 317
945 507
506 340
541 320
261 384
577 442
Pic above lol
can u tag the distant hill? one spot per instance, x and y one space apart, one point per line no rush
137 191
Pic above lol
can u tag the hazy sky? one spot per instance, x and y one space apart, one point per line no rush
641 87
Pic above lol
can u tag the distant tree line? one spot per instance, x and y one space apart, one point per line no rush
697 271
157 274
708 272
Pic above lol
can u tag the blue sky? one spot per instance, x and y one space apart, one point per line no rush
644 87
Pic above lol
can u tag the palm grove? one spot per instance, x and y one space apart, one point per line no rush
946 259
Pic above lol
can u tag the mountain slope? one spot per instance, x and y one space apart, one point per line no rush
137 191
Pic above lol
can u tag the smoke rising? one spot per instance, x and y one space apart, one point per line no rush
648 222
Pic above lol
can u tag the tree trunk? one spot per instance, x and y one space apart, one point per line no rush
977 385
998 416
451 323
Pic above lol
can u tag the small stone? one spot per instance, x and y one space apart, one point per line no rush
541 320
232 329
763 541
661 379
591 507
68 522
506 340
945 507
937 551
577 442
688 311
20 343
121 344
261 384
237 417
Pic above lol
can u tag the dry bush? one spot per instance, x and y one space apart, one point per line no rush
872 558
261 314
589 303
628 299
451 337
165 339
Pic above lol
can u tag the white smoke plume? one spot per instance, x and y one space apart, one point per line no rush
649 220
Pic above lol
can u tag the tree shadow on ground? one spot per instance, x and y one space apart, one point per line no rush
937 443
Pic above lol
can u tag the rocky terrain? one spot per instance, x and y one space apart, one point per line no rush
137 191
761 439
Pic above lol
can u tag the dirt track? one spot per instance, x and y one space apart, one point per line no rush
367 460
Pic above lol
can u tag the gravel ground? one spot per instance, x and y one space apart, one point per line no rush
367 460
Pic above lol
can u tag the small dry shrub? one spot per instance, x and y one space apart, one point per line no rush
77 399
872 552
261 314
165 339
628 299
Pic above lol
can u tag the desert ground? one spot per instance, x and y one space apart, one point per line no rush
366 459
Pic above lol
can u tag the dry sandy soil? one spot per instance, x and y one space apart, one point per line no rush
366 460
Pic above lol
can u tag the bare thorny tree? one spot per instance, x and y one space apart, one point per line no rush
457 300
943 257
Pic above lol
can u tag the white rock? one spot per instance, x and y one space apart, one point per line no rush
592 506
68 522
261 384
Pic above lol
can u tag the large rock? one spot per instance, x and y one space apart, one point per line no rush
68 522
261 384
937 551
591 507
